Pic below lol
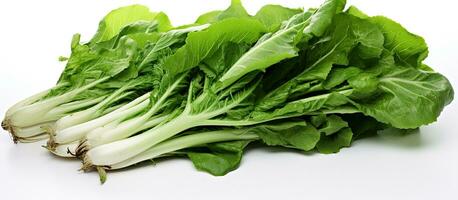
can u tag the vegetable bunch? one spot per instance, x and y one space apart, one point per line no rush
313 79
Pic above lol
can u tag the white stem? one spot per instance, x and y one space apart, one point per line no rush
33 139
88 114
36 113
79 131
31 131
102 129
113 108
124 130
26 102
185 142
132 103
115 152
78 117
64 109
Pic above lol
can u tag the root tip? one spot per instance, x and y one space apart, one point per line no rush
5 125
102 174
51 144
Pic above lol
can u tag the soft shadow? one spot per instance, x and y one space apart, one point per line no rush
406 139
148 163
276 149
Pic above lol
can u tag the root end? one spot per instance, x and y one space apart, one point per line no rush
87 165
51 144
6 125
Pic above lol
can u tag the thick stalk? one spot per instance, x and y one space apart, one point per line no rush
72 106
121 150
79 131
31 131
26 102
118 151
36 113
32 139
124 130
131 126
186 141
88 114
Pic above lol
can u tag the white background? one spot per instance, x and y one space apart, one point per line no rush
420 166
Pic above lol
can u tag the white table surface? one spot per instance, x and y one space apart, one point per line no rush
419 166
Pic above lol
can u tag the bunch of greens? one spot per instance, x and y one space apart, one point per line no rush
313 79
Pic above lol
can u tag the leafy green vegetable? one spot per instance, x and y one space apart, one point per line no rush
308 80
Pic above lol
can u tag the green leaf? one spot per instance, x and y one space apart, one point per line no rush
323 17
117 19
409 98
339 76
364 85
409 49
332 125
86 65
208 17
272 16
166 40
228 54
291 134
235 10
220 159
352 10
306 106
269 50
333 143
135 28
363 126
202 44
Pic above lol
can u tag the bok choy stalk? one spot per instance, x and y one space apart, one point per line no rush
312 80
